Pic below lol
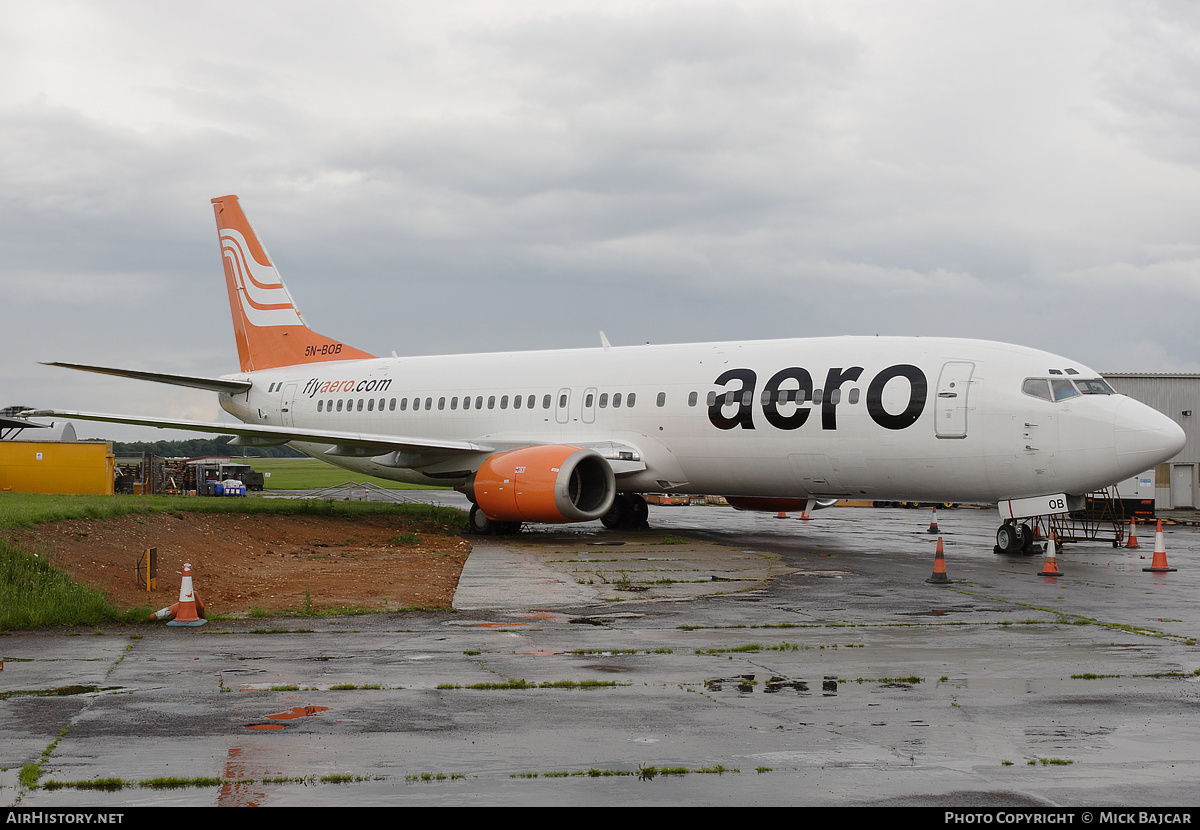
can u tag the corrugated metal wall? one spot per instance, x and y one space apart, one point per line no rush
1172 395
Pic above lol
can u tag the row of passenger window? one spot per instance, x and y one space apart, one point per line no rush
369 404
796 396
604 400
517 402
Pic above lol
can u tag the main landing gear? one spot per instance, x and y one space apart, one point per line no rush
628 511
1012 538
481 525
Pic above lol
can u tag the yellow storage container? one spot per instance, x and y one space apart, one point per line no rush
49 467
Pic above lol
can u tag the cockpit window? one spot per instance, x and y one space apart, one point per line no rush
1059 389
1038 387
1063 389
1094 386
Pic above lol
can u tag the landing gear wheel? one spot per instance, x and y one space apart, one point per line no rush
627 512
617 515
641 511
1026 539
479 523
1008 539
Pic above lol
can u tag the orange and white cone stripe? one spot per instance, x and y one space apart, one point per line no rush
1050 564
939 566
1133 542
1159 565
190 608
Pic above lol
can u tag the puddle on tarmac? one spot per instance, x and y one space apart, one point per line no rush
298 712
290 714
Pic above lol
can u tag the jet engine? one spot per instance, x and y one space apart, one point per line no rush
554 483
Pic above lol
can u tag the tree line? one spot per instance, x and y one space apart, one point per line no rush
197 447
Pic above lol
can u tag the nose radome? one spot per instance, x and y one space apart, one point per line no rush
1145 437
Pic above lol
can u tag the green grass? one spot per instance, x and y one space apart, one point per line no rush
35 595
311 474
24 510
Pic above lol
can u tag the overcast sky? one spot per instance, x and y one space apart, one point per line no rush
483 176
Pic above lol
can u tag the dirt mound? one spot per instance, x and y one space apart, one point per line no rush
272 562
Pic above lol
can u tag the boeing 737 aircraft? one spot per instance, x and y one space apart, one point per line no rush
577 435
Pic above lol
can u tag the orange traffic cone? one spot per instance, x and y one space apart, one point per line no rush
939 567
190 611
781 515
1158 565
165 613
1132 543
1050 564
933 528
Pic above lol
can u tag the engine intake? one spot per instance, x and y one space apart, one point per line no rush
556 483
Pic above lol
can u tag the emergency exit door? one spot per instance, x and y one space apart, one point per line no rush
953 387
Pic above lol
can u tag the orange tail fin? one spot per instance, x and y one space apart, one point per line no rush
269 329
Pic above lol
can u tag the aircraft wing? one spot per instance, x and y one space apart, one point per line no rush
210 384
345 443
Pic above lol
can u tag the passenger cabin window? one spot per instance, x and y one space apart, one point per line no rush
546 402
630 399
392 405
662 398
692 399
616 399
319 404
360 403
516 401
530 401
339 408
604 400
504 401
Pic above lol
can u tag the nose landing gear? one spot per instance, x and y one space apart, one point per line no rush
1012 538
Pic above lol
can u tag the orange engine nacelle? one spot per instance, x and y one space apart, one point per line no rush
554 483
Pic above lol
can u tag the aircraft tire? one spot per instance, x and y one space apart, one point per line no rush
640 512
1008 539
627 512
614 519
479 524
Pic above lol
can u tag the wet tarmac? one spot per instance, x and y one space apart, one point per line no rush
718 658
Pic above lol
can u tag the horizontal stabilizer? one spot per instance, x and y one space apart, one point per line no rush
233 387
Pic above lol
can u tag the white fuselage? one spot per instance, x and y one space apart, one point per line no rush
929 419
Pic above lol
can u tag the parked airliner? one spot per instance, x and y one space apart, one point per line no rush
578 435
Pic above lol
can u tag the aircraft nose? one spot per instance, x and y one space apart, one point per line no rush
1145 437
